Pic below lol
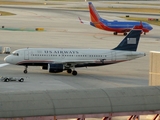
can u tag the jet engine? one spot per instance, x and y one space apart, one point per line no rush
44 67
55 68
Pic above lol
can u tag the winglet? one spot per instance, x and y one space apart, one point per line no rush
138 26
80 20
130 42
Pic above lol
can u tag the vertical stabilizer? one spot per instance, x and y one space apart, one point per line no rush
130 42
94 16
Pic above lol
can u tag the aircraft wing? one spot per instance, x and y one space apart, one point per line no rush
4 64
76 62
83 21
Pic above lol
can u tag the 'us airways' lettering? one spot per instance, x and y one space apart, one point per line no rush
61 52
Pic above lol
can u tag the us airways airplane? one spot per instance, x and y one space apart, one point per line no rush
59 60
114 26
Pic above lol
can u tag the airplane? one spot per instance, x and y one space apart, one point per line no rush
114 26
58 60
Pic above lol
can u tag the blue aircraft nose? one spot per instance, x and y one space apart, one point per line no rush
150 27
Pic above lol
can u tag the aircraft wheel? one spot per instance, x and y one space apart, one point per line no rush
69 70
125 34
21 80
144 33
115 33
74 72
6 80
25 71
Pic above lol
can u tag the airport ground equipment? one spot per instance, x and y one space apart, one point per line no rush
7 79
39 29
6 50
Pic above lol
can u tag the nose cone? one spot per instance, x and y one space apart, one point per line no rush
7 59
150 27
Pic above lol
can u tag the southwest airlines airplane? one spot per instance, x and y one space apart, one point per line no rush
58 60
114 26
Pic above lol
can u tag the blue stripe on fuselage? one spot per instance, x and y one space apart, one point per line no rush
124 24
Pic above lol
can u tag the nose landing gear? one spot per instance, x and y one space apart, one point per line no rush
115 33
125 33
25 70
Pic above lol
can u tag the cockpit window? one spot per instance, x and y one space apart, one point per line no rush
16 54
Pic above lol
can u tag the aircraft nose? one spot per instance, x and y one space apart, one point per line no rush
7 59
150 27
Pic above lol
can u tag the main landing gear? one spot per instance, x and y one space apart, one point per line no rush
124 33
115 33
25 70
74 72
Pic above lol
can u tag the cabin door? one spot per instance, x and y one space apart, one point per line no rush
26 55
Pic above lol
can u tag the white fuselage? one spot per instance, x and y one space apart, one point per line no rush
40 56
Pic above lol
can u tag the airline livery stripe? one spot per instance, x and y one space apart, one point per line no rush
32 61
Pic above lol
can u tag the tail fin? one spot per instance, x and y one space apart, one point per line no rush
130 42
94 16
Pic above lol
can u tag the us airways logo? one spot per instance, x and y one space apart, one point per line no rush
62 52
131 41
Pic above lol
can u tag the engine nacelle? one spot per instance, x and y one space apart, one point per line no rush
45 67
55 68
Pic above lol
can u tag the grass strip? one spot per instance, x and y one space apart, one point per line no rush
3 13
153 21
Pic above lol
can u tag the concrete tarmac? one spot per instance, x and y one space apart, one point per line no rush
63 30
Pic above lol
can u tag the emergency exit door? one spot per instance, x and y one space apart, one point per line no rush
26 55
